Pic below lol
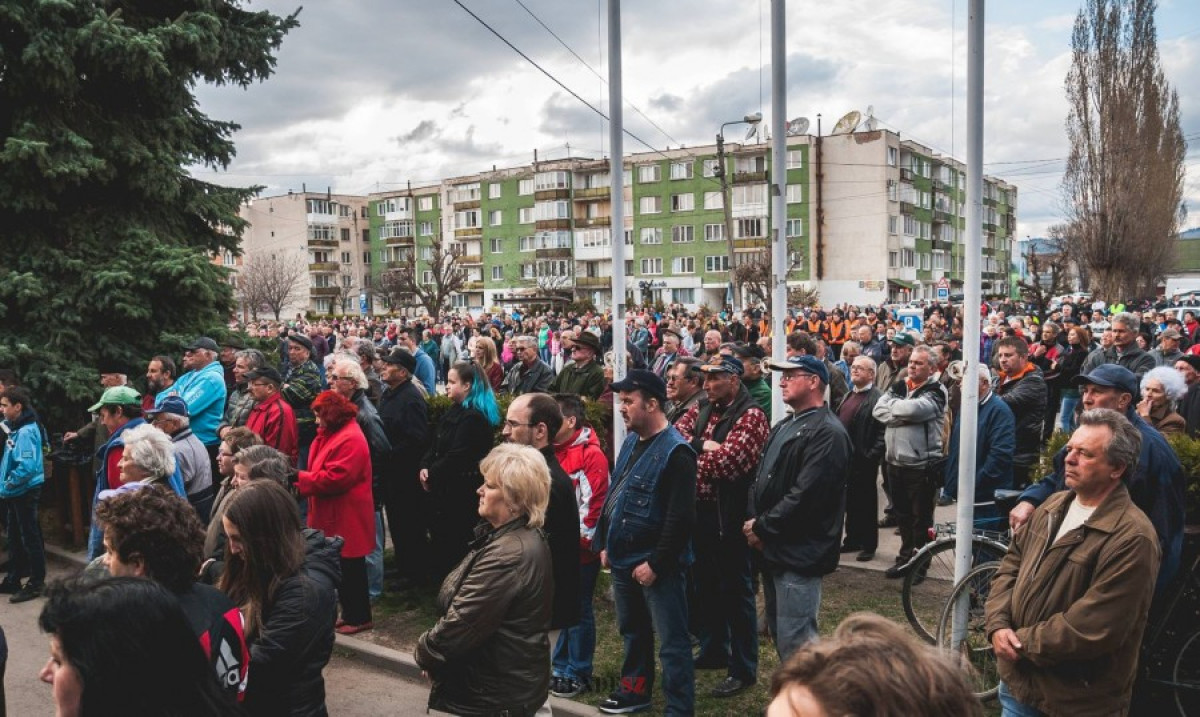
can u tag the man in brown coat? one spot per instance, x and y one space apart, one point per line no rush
1068 605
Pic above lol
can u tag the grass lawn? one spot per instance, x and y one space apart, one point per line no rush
401 617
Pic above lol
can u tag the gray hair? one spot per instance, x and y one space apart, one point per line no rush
867 360
1130 321
1171 380
1126 443
851 346
183 421
985 374
352 367
930 354
524 341
150 449
263 461
366 350
254 357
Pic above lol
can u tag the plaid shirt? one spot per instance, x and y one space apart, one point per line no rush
737 457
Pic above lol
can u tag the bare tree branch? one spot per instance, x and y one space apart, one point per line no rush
405 285
269 282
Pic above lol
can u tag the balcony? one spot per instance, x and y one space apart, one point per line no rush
592 222
989 202
468 232
940 245
589 195
470 259
324 291
324 267
476 285
907 207
546 195
593 282
553 253
400 241
467 204
542 225
906 175
749 177
939 185
322 243
941 217
751 243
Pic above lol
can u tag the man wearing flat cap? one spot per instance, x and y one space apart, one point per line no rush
272 418
728 431
301 384
798 503
404 413
584 377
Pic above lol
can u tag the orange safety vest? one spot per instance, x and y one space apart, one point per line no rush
838 331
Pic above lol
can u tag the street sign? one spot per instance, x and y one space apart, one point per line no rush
943 293
913 319
362 303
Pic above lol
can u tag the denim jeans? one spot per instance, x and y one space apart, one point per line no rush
577 644
723 608
1010 707
643 612
375 561
792 604
27 552
1067 420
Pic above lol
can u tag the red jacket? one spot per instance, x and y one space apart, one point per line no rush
338 488
584 461
275 421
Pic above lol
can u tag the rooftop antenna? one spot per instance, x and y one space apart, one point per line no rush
872 123
847 123
797 126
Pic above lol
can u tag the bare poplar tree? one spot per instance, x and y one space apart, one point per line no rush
446 276
271 282
1124 177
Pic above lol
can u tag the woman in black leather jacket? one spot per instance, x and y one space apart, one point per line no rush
488 654
285 579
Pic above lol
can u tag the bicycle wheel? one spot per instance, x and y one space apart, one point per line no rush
931 579
1186 676
973 653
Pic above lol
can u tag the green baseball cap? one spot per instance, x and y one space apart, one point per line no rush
118 396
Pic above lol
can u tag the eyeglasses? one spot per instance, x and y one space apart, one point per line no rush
793 375
515 424
341 378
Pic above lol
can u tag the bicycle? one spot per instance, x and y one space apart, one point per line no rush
973 651
1170 659
929 574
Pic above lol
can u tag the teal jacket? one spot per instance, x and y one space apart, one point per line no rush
204 392
22 468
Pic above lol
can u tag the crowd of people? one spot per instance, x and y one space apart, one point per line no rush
253 491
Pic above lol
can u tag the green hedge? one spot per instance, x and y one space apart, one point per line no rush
597 415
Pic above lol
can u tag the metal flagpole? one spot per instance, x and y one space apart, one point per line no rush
616 172
779 248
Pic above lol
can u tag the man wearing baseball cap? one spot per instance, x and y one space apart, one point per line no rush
202 388
798 503
119 409
301 384
1157 482
272 418
644 535
404 412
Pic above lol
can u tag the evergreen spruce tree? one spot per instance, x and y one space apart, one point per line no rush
106 242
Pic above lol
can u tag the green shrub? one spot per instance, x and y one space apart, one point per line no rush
597 415
1187 449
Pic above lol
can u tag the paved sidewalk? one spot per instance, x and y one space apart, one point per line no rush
889 542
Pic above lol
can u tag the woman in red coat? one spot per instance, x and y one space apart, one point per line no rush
338 488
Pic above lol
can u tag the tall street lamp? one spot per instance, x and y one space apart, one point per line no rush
752 120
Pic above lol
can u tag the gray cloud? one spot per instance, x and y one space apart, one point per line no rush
421 132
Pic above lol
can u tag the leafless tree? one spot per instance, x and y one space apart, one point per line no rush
405 283
1049 266
1124 177
344 283
270 282
753 273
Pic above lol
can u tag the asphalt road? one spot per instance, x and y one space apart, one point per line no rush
352 689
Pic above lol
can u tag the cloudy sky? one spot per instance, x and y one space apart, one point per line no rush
372 94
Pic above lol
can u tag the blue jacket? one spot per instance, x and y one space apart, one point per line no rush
1156 486
204 392
994 452
426 373
22 469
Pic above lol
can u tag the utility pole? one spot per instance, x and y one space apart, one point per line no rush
727 210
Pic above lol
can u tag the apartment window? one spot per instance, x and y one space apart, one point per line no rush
468 219
546 211
320 206
346 257
795 193
683 265
494 190
495 216
750 164
321 281
320 231
749 194
527 244
528 271
525 215
426 277
425 204
893 156
365 214
551 180
714 232
347 280
497 246
649 173
749 227
714 200
910 226
426 229
465 193
892 190
367 258
681 170
683 233
683 202
939 260
925 200
459 301
794 228
923 228
709 167
892 222
907 258
366 236
924 262
795 159
525 187
683 296
893 260
652 235
345 233
650 205
652 265
427 252
716 263
497 273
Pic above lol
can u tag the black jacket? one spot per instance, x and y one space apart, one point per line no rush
798 500
1026 397
296 638
405 417
866 434
464 437
562 533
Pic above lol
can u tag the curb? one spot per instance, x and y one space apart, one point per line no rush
368 653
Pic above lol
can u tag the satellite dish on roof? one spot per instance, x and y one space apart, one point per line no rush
797 126
847 123
872 123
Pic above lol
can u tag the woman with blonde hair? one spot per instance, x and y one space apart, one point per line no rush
487 654
486 359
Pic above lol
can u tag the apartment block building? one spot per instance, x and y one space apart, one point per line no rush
870 218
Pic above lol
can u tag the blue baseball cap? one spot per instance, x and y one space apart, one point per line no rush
170 404
805 363
648 381
726 364
1112 375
